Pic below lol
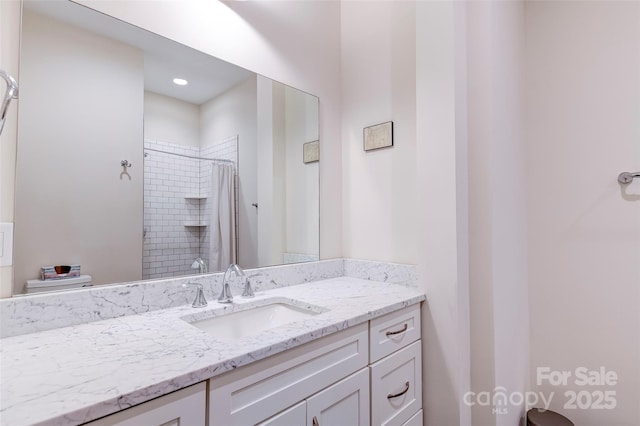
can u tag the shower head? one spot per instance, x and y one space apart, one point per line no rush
12 93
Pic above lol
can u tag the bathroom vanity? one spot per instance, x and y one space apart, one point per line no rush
354 357
367 374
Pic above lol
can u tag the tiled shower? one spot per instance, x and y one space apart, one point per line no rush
177 204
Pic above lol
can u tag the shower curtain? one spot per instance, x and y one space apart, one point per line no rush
222 228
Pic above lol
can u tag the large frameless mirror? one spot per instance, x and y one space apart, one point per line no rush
140 158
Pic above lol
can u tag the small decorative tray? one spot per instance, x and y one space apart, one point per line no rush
59 272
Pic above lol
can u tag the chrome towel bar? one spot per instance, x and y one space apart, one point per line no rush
626 177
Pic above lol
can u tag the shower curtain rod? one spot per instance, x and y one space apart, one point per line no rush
191 156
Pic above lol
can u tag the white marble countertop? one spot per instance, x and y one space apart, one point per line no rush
75 374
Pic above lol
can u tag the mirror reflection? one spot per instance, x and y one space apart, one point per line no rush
140 158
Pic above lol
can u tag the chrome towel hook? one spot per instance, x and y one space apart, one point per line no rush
627 177
12 93
125 163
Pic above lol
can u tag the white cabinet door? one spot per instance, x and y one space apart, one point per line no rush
294 416
184 407
344 404
416 420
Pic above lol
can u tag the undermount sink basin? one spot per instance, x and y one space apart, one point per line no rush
251 321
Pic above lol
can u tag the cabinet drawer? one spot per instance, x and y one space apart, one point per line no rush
394 331
254 393
187 406
396 386
416 420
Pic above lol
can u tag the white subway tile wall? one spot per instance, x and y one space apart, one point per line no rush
174 211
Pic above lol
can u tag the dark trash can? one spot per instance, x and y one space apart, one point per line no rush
541 417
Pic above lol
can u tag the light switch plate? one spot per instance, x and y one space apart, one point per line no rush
6 244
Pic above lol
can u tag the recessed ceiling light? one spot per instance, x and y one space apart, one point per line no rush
180 81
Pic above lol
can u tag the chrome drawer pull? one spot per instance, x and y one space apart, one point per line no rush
395 395
315 421
391 333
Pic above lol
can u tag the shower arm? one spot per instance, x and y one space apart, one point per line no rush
12 93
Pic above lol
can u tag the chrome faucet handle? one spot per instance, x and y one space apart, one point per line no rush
225 294
199 301
248 290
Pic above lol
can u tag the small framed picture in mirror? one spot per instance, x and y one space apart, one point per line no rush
378 136
310 152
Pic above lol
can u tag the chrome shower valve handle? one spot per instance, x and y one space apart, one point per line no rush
248 290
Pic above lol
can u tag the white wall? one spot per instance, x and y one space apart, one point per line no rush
288 193
171 120
70 152
405 62
509 257
497 214
278 226
481 275
583 127
302 190
267 245
235 113
271 172
448 76
378 85
442 200
401 203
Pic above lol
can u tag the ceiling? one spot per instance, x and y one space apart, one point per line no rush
164 59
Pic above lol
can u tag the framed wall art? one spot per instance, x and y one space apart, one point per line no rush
311 152
378 136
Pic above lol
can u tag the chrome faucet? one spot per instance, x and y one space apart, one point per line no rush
248 291
199 301
225 294
199 263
